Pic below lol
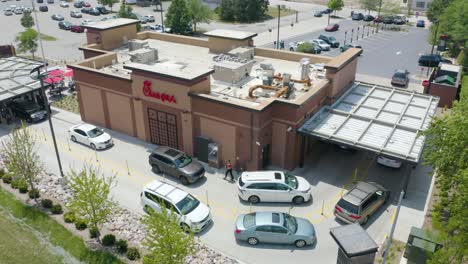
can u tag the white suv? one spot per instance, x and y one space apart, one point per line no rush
273 186
191 213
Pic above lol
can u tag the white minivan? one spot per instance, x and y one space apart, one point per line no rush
191 213
273 186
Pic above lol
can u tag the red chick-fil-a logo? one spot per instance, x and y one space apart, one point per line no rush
161 96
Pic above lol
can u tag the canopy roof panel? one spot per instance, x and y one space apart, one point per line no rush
15 77
380 119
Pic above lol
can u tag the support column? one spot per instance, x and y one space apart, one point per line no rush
407 174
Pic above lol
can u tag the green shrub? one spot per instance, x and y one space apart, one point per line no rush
133 253
108 240
47 203
121 246
7 178
80 224
93 232
34 194
23 188
56 209
2 172
69 217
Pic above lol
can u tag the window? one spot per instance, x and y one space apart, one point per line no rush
278 230
263 229
351 208
169 206
95 132
183 160
262 186
281 187
152 197
188 204
165 160
370 201
291 180
420 4
80 132
249 220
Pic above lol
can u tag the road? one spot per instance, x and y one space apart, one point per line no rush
328 182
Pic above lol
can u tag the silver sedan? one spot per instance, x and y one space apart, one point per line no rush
274 228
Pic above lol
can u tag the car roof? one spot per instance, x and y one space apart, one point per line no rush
360 192
256 176
166 190
266 218
85 127
400 71
168 151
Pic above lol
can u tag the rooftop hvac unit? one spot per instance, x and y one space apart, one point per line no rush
243 52
286 79
144 55
304 68
136 44
230 71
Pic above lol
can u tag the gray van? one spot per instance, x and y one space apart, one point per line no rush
359 203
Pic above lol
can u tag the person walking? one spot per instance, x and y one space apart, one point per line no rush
229 170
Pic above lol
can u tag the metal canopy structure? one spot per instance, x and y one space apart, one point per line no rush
15 77
380 119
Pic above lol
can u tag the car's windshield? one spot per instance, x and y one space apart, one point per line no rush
332 38
95 132
249 220
400 75
290 223
187 205
348 206
290 180
183 161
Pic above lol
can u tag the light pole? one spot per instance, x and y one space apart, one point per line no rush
277 36
389 241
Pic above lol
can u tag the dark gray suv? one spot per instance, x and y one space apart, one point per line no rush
177 164
330 40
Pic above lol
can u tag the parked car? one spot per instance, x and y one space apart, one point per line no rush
143 19
190 212
85 10
330 40
18 11
85 22
91 136
322 44
429 60
77 29
64 4
378 19
40 1
400 77
348 46
8 12
43 8
332 27
295 44
65 25
76 14
389 162
359 203
94 11
86 4
368 18
274 228
357 16
57 17
388 20
27 9
78 4
50 1
29 111
327 11
420 23
399 20
103 10
177 164
157 27
273 186
149 18
318 14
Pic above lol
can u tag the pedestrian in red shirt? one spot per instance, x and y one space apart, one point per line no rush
229 170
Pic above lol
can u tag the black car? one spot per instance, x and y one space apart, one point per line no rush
388 20
327 11
399 20
103 10
368 18
430 60
94 12
357 16
43 8
86 10
65 25
28 110
78 4
40 1
330 40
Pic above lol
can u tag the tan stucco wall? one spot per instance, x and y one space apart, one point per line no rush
290 56
341 79
223 134
92 105
187 132
177 39
113 38
120 113
139 119
220 45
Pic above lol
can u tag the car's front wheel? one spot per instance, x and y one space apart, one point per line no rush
252 241
184 180
298 200
300 243
185 227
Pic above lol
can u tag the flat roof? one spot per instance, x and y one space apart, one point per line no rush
450 67
15 77
171 69
353 240
380 119
230 34
111 23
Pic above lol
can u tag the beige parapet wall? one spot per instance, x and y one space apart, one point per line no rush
290 55
174 38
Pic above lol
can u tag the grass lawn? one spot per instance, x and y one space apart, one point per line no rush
46 37
69 103
47 228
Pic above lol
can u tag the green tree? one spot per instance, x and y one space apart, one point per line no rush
165 239
306 47
91 195
436 8
390 8
108 3
226 10
19 151
446 151
27 41
454 23
335 5
370 5
178 17
126 11
27 20
199 13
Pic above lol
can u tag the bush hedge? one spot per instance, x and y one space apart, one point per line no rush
2 172
133 253
47 203
121 246
34 194
56 209
23 188
80 224
69 217
7 178
93 232
108 240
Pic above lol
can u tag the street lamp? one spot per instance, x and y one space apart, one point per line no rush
277 37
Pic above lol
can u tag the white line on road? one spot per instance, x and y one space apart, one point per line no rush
398 52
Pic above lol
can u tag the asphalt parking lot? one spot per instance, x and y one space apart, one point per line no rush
329 180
